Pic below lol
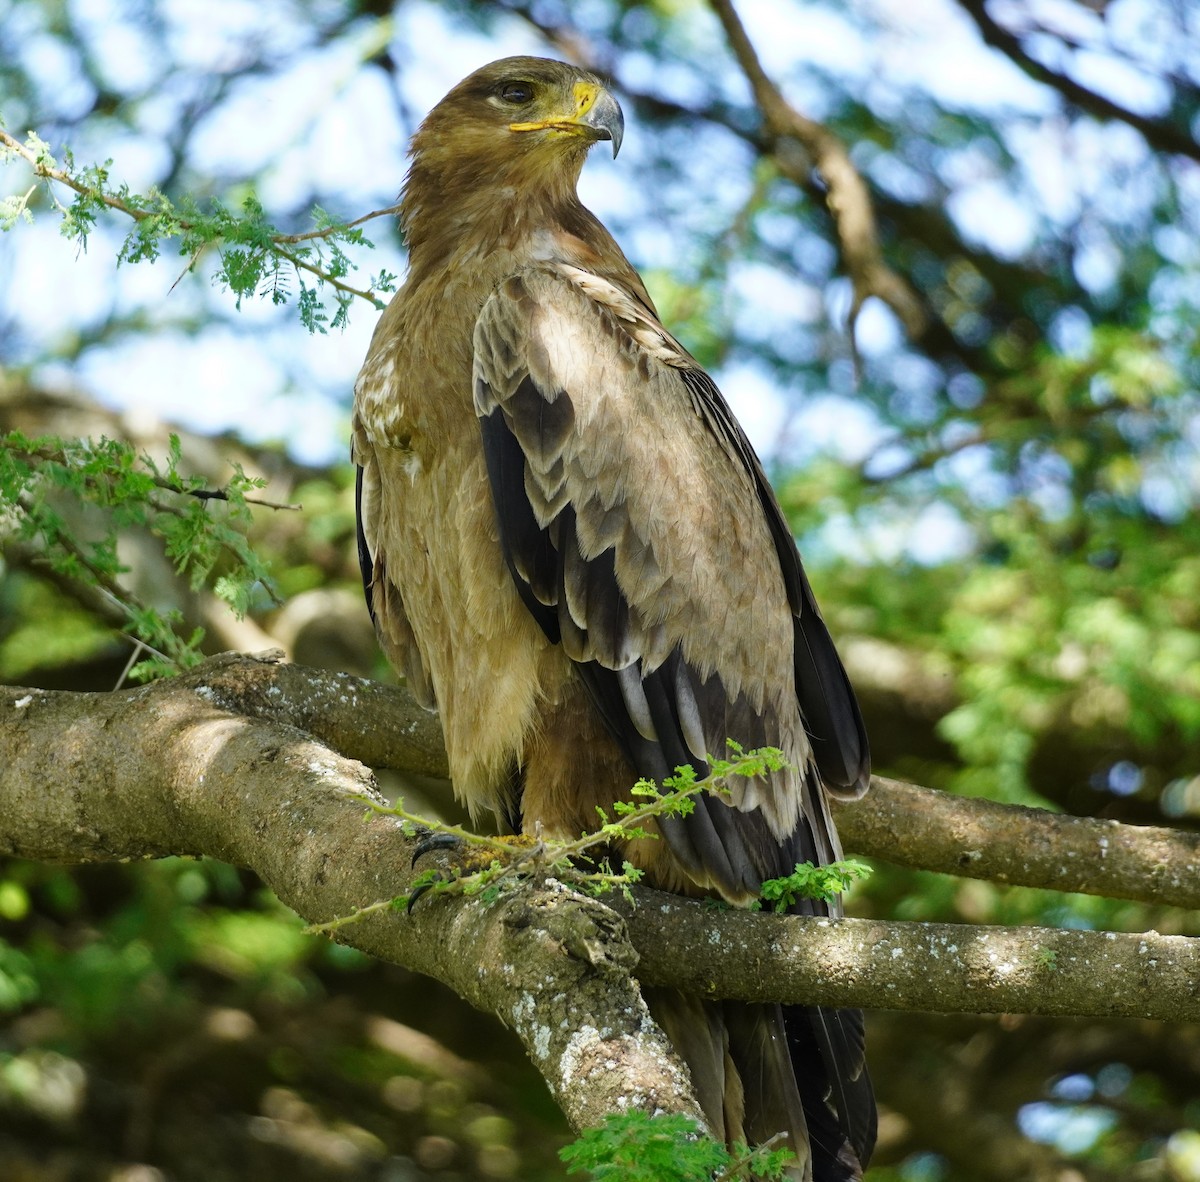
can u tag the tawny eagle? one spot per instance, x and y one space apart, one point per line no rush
571 549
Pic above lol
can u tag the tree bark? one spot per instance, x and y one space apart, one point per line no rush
975 838
169 769
243 760
940 967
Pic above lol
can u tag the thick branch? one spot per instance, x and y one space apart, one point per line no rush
379 725
929 830
172 768
896 822
944 967
848 198
165 769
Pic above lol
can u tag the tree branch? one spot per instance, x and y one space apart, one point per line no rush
848 198
1159 135
939 967
215 763
901 823
379 725
165 769
929 830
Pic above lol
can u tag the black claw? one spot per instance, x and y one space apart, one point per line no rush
434 842
416 893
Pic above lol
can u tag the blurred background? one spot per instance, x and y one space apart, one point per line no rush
998 517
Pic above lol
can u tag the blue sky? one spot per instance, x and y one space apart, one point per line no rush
325 123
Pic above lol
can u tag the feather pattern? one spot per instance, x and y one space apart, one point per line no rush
634 555
569 546
677 637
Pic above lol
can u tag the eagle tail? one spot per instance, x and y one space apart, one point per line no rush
764 1069
827 1050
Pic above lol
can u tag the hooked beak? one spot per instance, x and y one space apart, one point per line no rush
604 116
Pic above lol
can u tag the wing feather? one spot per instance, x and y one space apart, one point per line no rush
830 709
642 534
366 561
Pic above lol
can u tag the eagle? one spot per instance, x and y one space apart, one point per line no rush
571 550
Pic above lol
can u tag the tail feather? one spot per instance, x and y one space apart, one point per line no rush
695 1029
827 1050
762 1070
758 1046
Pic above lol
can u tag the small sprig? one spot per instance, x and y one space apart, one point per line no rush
489 861
677 796
256 259
813 882
494 862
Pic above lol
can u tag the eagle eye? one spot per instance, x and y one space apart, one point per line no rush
517 93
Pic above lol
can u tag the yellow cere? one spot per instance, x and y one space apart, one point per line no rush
585 97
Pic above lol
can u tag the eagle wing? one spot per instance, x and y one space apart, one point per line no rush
643 536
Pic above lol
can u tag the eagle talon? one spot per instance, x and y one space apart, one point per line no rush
417 892
433 843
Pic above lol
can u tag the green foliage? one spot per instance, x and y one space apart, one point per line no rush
72 498
668 1147
255 257
813 882
492 863
14 209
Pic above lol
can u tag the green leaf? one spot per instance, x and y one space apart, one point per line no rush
813 882
668 1147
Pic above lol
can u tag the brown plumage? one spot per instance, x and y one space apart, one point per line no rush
570 548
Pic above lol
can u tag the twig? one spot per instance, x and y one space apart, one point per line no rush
333 282
53 173
920 462
221 494
740 1162
355 916
65 178
848 198
139 647
311 234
